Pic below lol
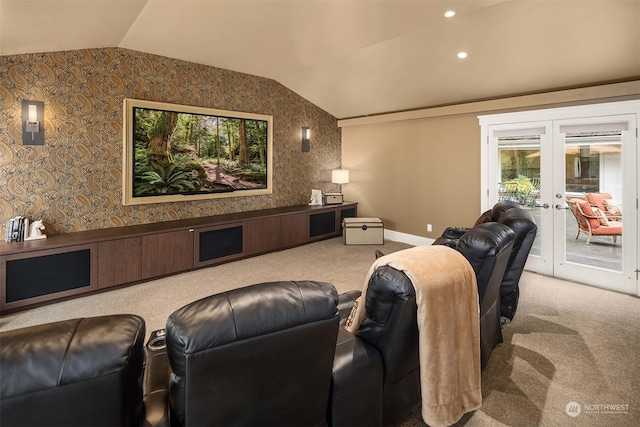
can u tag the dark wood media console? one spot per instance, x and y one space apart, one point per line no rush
75 264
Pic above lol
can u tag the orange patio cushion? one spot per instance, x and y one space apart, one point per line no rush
586 209
614 228
597 199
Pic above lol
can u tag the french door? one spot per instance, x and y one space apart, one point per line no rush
548 159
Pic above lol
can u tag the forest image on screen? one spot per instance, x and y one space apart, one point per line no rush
183 153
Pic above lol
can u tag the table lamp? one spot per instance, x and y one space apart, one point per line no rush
338 176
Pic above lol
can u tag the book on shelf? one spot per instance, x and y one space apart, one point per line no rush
17 229
25 229
8 233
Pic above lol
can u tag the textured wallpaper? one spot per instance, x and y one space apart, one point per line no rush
74 181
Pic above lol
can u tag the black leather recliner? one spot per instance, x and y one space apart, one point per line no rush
522 223
259 355
376 372
524 226
488 247
83 372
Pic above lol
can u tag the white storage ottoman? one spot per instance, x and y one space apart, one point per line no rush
363 231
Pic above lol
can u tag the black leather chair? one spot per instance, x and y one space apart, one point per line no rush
522 223
81 372
376 373
525 228
260 355
488 247
451 235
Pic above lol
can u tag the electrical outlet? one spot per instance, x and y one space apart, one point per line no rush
429 227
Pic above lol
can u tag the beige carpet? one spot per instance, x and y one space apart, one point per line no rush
329 260
567 343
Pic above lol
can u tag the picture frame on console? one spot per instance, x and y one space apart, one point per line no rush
174 153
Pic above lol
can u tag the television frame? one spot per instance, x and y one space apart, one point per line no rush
128 156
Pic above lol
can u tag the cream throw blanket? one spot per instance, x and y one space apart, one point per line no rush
448 324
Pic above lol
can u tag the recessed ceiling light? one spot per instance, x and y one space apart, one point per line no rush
462 55
450 14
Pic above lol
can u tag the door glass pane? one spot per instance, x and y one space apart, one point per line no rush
519 175
593 171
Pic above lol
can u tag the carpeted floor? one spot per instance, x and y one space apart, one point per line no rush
329 260
568 342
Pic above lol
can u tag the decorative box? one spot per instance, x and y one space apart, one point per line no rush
363 231
332 198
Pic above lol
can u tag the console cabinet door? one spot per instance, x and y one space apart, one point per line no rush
119 261
263 235
293 230
39 276
348 212
323 224
167 253
220 244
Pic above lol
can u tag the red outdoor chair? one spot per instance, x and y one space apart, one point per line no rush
591 223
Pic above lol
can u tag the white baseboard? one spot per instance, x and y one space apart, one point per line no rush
409 239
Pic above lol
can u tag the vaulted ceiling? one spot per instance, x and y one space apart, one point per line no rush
357 57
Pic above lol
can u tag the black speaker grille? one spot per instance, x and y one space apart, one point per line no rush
44 275
322 223
347 213
220 243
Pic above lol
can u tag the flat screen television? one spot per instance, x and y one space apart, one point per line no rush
177 153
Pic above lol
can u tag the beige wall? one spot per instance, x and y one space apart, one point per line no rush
73 182
421 167
410 173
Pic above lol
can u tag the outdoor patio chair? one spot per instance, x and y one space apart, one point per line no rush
591 223
606 204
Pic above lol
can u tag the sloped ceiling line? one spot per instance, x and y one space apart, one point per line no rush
356 58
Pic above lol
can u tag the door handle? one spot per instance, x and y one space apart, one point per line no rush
545 206
560 207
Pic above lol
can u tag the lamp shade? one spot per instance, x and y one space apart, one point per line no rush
340 176
33 113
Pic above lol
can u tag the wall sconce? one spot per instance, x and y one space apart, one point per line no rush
32 123
306 137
